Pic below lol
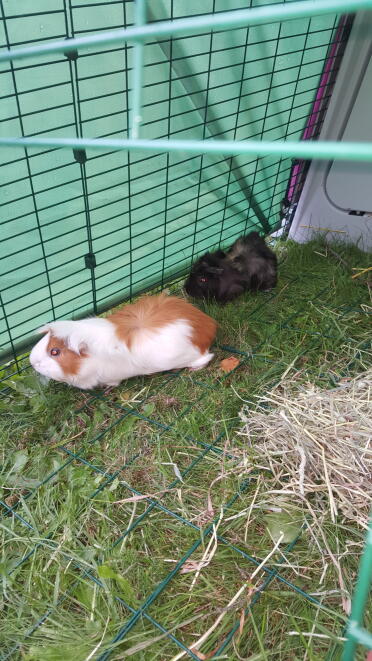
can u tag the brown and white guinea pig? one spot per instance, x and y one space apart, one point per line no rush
155 334
249 264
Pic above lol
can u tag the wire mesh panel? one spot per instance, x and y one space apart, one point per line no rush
84 229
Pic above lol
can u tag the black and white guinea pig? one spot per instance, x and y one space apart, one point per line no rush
155 334
248 265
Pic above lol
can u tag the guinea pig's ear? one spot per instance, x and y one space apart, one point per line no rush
76 343
83 349
43 329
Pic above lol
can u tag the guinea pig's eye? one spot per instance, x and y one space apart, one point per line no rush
55 352
202 279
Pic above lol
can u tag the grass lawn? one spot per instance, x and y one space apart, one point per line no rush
134 520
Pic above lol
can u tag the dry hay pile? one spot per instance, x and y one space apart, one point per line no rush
317 444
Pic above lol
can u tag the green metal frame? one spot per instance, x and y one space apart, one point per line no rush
142 32
346 151
243 18
356 634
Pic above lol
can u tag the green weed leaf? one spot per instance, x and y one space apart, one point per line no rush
283 523
126 589
148 409
104 571
114 485
20 460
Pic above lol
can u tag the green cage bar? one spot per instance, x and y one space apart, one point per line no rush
355 632
140 19
346 151
254 16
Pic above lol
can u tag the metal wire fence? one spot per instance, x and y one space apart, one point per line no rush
180 136
80 457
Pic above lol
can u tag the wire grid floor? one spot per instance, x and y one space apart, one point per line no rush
205 448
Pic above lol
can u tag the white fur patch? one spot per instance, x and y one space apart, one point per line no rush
109 360
95 334
43 363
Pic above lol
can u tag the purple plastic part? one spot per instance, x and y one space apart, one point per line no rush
318 102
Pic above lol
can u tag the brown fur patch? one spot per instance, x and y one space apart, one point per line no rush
153 312
68 360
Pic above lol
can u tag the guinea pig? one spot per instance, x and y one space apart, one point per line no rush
155 334
213 276
248 265
255 261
